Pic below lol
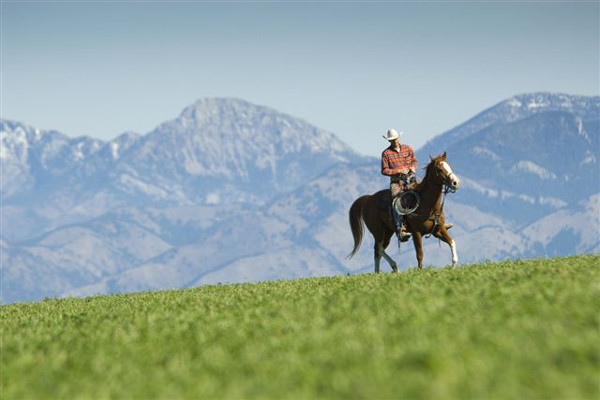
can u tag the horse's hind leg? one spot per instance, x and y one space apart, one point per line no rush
389 259
380 252
377 252
442 233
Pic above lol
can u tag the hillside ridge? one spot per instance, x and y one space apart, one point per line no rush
428 271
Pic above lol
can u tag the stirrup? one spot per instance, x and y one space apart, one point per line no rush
403 236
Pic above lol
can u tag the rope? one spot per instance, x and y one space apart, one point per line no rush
400 209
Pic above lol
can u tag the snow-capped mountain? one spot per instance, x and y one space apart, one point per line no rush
527 156
518 108
227 151
32 158
233 192
218 151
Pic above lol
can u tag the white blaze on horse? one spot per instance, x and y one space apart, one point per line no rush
427 219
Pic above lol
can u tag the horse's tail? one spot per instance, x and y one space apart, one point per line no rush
357 223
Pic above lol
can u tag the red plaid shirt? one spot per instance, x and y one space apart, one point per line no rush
398 162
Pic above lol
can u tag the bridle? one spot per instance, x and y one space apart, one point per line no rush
450 181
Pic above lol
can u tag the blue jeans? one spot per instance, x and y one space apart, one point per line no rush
396 189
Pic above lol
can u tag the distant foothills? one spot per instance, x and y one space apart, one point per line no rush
234 192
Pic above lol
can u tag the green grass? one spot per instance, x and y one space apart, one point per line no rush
512 330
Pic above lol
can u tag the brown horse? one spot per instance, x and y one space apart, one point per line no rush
427 219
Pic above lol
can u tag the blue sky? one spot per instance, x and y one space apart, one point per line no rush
352 68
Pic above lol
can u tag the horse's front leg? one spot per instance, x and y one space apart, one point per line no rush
454 254
443 234
418 242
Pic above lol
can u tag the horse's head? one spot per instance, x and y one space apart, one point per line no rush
442 172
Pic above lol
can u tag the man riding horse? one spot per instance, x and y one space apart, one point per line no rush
398 162
426 219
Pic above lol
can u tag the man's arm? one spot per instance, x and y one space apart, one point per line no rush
386 167
414 162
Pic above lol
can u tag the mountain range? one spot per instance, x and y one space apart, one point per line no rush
230 191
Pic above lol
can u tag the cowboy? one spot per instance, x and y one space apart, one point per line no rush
398 162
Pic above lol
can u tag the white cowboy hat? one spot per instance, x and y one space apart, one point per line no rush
392 135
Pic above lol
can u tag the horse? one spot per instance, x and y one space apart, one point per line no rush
427 219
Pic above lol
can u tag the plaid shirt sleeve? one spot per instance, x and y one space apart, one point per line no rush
413 160
386 168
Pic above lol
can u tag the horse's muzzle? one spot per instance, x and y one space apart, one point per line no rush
453 181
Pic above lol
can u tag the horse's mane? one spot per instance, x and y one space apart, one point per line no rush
429 170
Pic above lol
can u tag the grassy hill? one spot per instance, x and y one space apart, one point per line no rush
525 329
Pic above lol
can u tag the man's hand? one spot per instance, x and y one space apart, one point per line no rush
411 177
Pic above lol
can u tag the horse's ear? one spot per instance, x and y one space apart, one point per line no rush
431 158
444 156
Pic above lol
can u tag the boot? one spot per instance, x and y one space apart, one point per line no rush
403 234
